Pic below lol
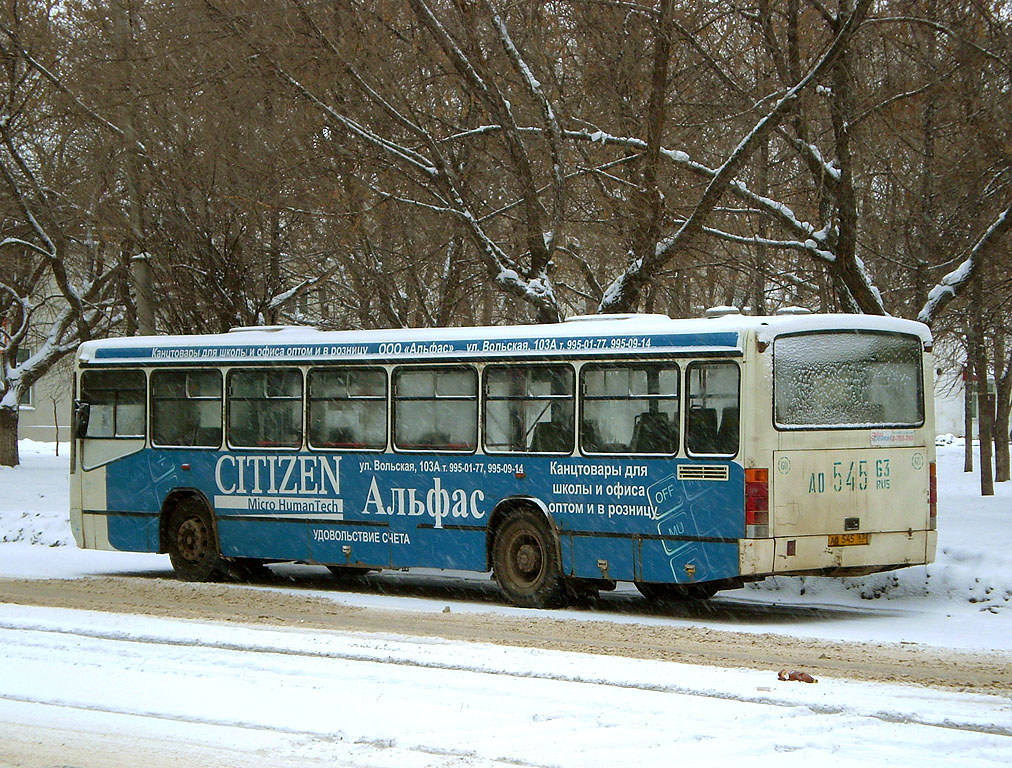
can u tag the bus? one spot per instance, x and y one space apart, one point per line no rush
683 455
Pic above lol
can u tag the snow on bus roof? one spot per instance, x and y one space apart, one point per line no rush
770 327
593 335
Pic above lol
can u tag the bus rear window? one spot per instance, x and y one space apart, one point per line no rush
847 380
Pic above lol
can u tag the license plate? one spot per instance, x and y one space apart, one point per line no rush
847 539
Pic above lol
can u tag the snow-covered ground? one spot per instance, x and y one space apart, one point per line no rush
351 699
216 694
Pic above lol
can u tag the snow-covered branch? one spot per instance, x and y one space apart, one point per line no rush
279 300
809 247
953 283
551 124
623 293
405 154
13 337
8 241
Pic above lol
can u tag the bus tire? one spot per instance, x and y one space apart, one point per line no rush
192 545
348 572
525 561
670 593
246 569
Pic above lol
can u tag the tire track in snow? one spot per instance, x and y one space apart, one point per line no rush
382 745
316 736
405 659
279 605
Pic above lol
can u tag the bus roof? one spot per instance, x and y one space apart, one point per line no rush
585 336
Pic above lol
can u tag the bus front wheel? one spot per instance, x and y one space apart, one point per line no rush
526 562
192 548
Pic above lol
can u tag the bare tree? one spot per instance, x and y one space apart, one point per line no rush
54 289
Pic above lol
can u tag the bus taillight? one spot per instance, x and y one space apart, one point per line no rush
757 503
932 497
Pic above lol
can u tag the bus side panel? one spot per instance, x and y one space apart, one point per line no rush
424 546
133 532
352 545
140 482
107 520
686 562
598 557
690 533
685 506
266 539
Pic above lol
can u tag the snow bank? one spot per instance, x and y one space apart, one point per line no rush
33 496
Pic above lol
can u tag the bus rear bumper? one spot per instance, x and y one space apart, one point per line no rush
805 555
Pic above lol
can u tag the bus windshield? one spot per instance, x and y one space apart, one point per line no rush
847 380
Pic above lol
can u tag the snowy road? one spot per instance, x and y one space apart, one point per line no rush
155 691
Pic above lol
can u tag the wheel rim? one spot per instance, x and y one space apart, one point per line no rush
526 559
191 539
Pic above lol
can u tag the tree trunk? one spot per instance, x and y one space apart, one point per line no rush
968 413
56 424
9 437
1002 409
984 414
143 282
140 266
1001 447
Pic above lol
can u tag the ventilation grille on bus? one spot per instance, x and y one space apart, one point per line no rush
702 472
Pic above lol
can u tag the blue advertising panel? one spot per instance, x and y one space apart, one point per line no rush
320 350
404 510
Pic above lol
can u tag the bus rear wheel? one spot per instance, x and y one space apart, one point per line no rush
193 550
525 561
670 593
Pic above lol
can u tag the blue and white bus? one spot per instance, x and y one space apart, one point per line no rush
685 456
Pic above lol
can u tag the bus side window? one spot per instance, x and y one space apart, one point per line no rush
265 408
529 409
348 408
702 426
116 402
630 408
436 409
713 408
186 408
654 432
727 433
